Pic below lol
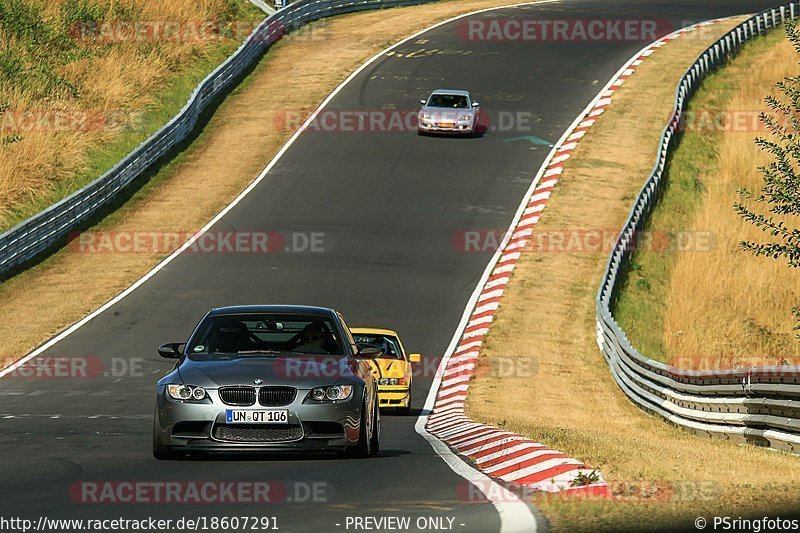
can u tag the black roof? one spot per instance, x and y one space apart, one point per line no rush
277 309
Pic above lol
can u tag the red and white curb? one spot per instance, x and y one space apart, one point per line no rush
501 454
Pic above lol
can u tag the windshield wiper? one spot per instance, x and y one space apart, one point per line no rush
264 352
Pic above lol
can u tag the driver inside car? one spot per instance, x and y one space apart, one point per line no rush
312 338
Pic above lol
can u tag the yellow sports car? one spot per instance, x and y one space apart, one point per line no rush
392 369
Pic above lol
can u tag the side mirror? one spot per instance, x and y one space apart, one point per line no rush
415 357
171 350
422 102
475 104
366 351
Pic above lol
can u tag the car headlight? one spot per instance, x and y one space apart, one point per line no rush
331 394
465 117
426 116
186 392
392 381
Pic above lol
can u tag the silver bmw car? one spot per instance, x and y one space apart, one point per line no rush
268 378
448 111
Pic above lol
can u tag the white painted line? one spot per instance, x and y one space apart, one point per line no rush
501 442
517 460
467 346
457 361
544 195
459 368
510 450
459 429
467 435
478 332
556 170
540 467
490 294
483 439
481 320
491 306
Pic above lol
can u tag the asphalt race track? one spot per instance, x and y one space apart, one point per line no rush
387 208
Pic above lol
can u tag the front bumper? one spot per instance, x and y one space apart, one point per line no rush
394 396
201 427
431 126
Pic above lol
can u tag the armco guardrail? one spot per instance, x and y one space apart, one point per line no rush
49 228
759 405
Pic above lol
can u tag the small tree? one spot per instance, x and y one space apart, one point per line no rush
780 192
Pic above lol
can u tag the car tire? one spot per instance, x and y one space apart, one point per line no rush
375 439
163 454
361 449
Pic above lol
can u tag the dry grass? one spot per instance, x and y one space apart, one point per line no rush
50 67
725 303
296 74
572 403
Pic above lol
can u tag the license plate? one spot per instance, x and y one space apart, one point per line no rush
269 416
447 124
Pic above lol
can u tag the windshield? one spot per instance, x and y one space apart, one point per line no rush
264 335
386 343
453 101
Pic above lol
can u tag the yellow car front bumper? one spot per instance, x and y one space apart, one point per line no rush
393 397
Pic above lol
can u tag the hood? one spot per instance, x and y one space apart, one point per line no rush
385 367
302 372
